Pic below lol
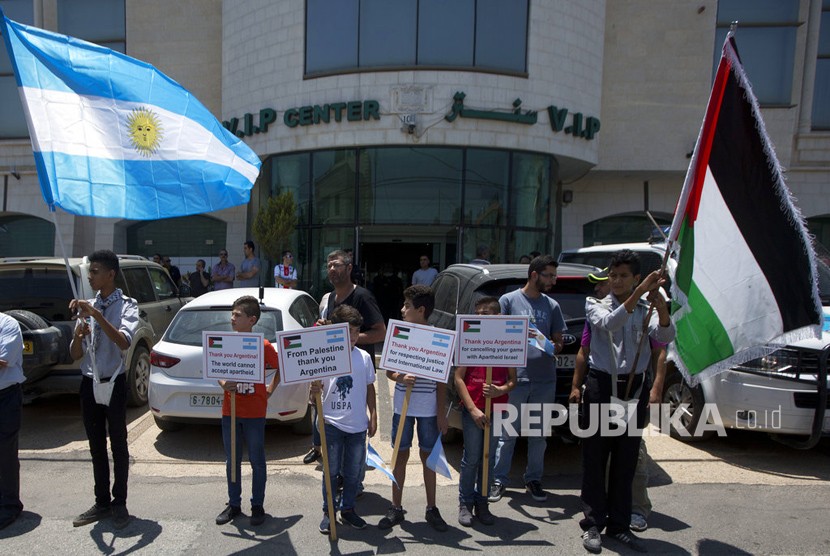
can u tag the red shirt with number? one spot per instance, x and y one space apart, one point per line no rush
475 378
251 397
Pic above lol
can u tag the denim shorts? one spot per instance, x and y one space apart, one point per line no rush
427 432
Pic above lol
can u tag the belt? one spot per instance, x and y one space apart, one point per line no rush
10 387
622 377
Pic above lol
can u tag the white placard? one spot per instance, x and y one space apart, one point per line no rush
492 340
236 356
419 350
314 353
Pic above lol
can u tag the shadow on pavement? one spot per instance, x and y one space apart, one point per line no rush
27 522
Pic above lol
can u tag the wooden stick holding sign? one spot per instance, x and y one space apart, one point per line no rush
233 436
401 426
488 406
310 354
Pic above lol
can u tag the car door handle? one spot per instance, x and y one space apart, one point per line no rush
168 308
142 314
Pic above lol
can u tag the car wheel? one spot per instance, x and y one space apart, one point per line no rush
48 344
679 392
28 319
168 426
304 426
138 377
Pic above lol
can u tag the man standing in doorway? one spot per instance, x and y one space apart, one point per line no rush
248 275
536 383
223 272
424 275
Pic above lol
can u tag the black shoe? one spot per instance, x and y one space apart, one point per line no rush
312 456
9 518
629 540
496 492
257 515
92 515
592 541
535 490
393 517
433 517
481 509
352 519
120 517
228 514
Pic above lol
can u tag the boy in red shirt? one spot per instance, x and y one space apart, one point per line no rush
251 406
470 383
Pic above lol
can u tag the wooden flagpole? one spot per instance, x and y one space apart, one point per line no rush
485 464
233 436
321 426
401 422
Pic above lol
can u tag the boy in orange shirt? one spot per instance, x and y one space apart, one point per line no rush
251 406
470 383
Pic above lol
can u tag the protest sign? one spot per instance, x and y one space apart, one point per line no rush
491 340
233 356
314 353
418 350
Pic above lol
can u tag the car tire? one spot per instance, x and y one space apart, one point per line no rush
168 426
138 377
35 370
304 426
28 319
677 391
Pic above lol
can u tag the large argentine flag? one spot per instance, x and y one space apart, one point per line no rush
115 137
746 268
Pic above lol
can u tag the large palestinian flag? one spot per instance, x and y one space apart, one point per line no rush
746 274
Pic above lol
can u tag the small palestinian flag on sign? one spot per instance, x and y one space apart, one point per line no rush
472 326
291 342
215 342
401 333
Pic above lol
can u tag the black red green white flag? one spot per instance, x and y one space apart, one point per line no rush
745 275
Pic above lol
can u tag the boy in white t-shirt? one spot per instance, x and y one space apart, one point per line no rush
346 400
427 406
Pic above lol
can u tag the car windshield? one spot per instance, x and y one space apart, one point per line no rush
188 325
44 291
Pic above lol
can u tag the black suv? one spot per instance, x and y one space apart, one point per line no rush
459 286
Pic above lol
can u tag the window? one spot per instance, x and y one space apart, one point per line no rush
821 90
138 284
350 35
100 21
12 118
766 43
304 310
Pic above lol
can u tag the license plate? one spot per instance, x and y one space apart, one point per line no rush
206 400
28 348
565 361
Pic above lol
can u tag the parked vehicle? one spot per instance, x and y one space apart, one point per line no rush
36 291
784 393
178 392
459 286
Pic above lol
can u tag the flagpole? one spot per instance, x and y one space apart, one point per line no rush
233 435
401 425
485 464
321 426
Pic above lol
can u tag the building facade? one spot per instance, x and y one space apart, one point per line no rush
409 127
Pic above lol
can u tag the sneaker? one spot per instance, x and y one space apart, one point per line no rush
433 517
325 525
482 511
465 517
352 519
312 456
592 541
496 492
120 517
393 517
92 515
257 515
638 523
228 514
535 490
630 541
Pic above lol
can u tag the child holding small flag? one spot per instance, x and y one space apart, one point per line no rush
427 406
470 383
251 407
346 400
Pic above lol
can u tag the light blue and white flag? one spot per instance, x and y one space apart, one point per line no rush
373 459
540 341
114 137
437 460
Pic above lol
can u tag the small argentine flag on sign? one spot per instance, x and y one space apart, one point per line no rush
373 459
441 340
249 343
513 326
335 336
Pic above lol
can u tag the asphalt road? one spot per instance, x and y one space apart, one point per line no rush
743 494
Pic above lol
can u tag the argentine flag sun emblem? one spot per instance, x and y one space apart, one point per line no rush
145 131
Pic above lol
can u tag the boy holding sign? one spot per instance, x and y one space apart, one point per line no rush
345 403
251 406
427 405
472 388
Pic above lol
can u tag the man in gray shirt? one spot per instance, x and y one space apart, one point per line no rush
248 275
536 383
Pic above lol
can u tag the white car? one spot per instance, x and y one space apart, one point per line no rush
178 392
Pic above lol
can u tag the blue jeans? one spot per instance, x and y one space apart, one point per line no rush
533 393
470 489
253 431
347 454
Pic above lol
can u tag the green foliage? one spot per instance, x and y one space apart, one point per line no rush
274 224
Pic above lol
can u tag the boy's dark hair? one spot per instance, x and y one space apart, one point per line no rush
421 296
249 305
347 314
340 254
250 244
107 259
538 264
492 302
204 264
626 256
